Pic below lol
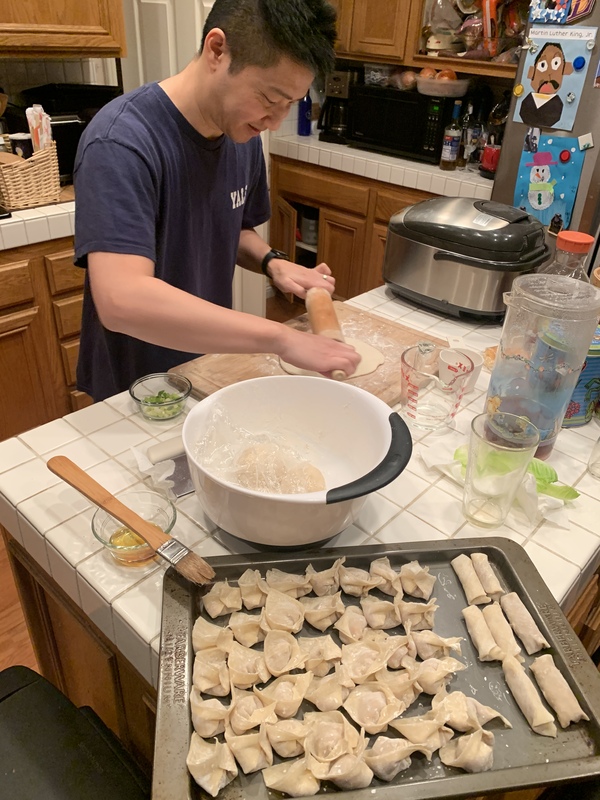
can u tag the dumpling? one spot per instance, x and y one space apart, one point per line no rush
282 653
286 582
351 625
416 580
487 576
326 581
372 705
206 634
291 777
329 692
380 614
473 752
211 674
474 591
402 684
282 613
398 645
431 733
208 716
252 751
287 737
330 736
431 645
501 631
287 692
322 612
364 659
481 636
321 654
253 589
246 628
246 667
212 766
221 599
557 691
522 689
387 757
248 710
433 674
419 616
523 623
462 713
358 582
347 772
392 584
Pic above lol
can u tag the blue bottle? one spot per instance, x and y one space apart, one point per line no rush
304 115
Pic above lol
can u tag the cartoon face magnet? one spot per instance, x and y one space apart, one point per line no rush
553 76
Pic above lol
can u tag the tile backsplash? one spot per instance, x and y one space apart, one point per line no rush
16 75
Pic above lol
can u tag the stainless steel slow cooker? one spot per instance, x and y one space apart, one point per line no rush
459 255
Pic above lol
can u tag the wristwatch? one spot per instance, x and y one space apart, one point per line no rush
270 255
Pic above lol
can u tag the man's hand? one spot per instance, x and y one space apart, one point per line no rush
290 277
317 353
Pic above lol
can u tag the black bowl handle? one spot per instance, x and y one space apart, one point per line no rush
395 460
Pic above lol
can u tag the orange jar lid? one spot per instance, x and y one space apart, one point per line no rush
574 241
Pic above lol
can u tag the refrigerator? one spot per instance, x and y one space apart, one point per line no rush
585 213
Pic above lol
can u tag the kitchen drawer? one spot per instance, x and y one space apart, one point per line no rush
67 313
303 181
389 201
70 353
15 284
63 275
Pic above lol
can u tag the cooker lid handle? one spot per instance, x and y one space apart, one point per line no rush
393 463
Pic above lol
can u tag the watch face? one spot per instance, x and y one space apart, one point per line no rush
279 254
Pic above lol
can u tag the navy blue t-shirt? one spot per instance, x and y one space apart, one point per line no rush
147 183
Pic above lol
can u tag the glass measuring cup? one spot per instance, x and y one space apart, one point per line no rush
429 397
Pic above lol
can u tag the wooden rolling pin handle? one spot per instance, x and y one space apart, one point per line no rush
338 375
321 314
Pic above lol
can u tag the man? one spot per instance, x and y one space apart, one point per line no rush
170 184
542 108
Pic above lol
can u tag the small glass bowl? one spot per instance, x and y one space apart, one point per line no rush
161 396
124 545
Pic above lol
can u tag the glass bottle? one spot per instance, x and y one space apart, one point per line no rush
466 125
594 462
572 249
304 115
452 136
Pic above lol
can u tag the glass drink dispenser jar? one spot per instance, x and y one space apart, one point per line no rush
549 324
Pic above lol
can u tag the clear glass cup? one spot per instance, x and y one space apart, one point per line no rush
594 462
501 447
431 386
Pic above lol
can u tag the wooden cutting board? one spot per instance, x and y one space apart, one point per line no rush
212 372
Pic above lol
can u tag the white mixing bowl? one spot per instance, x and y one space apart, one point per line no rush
354 438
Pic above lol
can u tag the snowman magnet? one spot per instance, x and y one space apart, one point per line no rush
548 176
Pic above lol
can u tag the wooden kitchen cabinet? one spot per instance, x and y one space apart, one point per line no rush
389 31
38 28
78 659
584 617
353 216
41 293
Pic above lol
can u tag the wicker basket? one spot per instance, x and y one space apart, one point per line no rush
33 182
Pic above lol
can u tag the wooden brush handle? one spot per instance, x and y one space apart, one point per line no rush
80 480
323 320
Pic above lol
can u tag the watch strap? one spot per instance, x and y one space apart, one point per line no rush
269 257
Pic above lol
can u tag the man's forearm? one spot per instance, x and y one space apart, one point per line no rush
251 250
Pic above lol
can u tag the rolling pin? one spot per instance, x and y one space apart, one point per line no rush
323 320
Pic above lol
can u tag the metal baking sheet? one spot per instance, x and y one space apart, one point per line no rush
521 757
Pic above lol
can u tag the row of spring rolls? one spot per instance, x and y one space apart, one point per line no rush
493 637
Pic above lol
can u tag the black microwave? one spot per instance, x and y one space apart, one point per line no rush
403 123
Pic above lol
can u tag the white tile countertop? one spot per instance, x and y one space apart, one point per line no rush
52 520
389 169
34 225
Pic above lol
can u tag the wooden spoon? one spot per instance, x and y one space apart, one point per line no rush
177 555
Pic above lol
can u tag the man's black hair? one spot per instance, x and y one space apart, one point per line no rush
260 32
545 47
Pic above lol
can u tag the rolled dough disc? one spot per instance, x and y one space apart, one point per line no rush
370 359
